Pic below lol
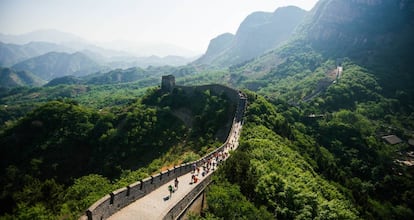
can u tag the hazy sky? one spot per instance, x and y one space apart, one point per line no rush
189 24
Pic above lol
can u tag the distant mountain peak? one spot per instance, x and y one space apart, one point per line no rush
258 32
57 64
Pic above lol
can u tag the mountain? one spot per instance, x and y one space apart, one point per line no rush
258 33
11 78
142 77
11 54
374 34
345 80
216 47
368 31
48 35
65 80
119 54
54 64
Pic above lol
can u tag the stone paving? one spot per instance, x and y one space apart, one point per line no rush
156 204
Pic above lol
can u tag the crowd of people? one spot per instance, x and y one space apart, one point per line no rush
211 162
208 165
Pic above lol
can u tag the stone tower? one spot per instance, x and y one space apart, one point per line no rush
168 83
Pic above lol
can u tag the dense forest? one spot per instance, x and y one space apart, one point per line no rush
61 157
289 166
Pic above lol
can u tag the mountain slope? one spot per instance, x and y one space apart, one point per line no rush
374 33
59 141
216 47
342 83
335 31
53 64
10 78
258 33
147 77
11 54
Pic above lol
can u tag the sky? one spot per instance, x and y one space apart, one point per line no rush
189 24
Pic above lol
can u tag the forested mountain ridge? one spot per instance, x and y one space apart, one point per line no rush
374 34
10 78
335 31
11 54
336 122
61 146
258 33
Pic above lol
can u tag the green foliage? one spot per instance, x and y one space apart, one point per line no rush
83 192
271 174
355 85
227 202
61 157
10 78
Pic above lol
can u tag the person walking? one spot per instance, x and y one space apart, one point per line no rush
170 188
176 183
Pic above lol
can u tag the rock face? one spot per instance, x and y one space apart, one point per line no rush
217 47
258 33
362 24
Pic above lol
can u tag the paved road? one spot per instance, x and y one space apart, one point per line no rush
156 204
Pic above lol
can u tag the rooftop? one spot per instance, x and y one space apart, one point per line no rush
392 139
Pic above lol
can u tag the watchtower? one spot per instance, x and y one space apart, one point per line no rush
168 83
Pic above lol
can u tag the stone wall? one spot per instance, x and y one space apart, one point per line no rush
118 199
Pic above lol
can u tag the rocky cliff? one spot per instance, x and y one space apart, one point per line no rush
360 24
258 33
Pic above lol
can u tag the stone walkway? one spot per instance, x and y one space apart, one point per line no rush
156 204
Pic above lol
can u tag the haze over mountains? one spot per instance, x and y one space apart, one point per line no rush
259 33
51 53
55 64
112 48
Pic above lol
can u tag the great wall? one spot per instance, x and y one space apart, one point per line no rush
114 202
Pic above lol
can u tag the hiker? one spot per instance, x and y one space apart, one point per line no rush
170 188
176 183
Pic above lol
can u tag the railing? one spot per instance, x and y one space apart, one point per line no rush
118 199
179 209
